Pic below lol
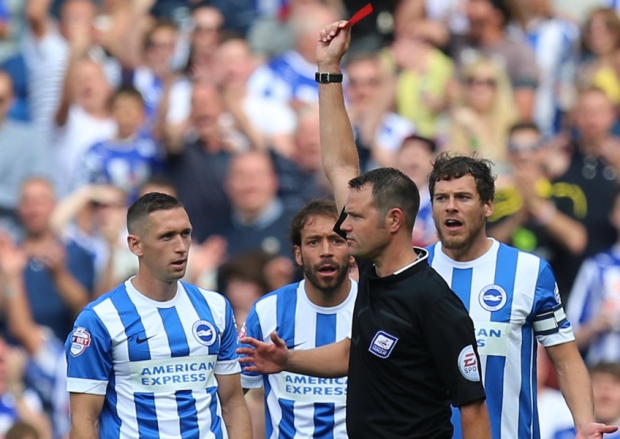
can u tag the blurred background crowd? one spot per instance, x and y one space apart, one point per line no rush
215 102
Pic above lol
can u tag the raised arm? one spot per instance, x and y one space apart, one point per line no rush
340 161
329 361
79 43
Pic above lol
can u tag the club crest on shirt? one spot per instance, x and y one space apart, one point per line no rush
492 298
468 364
204 332
382 344
80 340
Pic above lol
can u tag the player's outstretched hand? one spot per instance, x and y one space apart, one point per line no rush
595 431
261 357
334 40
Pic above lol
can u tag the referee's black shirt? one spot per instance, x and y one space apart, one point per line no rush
413 353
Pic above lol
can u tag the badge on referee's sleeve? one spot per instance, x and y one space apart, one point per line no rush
468 363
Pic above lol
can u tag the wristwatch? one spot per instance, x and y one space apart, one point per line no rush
326 78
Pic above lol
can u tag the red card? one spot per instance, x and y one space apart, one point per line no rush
362 13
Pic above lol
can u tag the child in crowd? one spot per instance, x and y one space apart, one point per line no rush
130 158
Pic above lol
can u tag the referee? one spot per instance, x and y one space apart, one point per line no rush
412 350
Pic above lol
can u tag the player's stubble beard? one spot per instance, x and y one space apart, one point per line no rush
463 242
327 288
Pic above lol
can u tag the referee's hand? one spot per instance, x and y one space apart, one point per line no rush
334 40
261 357
595 431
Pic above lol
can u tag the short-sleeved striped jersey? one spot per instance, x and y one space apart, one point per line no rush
513 300
299 406
155 362
597 288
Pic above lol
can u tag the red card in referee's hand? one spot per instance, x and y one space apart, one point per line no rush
362 13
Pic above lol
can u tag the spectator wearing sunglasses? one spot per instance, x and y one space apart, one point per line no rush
483 112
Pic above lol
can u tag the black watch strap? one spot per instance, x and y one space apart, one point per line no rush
326 78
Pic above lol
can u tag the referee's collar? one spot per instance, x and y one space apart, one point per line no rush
407 270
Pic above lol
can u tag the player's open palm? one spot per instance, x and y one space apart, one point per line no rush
595 431
334 40
261 357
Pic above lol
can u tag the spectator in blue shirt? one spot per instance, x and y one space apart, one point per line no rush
129 159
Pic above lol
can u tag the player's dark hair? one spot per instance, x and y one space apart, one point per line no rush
448 166
147 204
319 207
391 189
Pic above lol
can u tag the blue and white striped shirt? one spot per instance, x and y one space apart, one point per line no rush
155 362
299 406
513 301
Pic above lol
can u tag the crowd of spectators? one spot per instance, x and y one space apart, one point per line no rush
215 102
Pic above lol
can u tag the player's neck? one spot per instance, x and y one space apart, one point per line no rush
478 247
328 299
154 289
394 258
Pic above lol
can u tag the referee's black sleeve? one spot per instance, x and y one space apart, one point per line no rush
449 333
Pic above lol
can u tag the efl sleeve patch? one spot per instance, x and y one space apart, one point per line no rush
468 364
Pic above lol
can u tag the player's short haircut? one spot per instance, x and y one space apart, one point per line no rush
606 368
319 207
140 210
448 166
391 189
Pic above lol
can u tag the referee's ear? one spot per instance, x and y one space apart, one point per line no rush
395 220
